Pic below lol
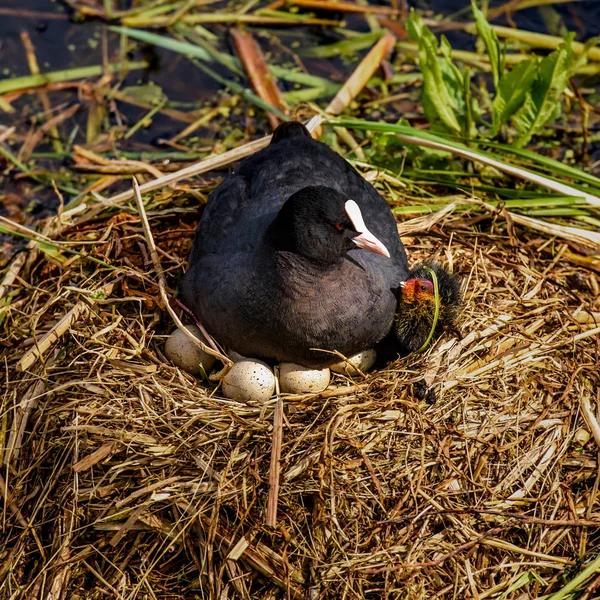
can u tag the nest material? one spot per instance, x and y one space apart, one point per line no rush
125 477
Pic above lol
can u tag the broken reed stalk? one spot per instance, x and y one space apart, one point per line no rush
27 405
275 467
12 273
268 563
222 18
361 75
577 235
537 40
257 70
203 166
589 416
14 509
162 286
38 135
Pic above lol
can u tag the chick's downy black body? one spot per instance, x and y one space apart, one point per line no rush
416 306
280 267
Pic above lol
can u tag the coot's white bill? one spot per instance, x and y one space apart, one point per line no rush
366 240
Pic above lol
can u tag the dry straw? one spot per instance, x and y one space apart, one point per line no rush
124 477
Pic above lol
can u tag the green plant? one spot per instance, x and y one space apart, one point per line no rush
528 96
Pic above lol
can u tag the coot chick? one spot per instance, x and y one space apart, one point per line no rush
416 306
296 256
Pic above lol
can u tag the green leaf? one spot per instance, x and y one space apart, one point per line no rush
543 100
48 248
20 83
51 250
469 125
164 42
511 92
524 579
445 97
549 165
417 29
434 85
591 569
415 136
490 39
344 47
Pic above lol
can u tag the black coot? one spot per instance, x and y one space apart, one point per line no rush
295 256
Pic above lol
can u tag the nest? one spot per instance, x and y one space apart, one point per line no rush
125 477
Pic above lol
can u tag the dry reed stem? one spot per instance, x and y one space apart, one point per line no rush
257 70
346 7
7 133
36 137
204 166
8 281
590 418
43 96
80 310
111 166
422 224
359 77
20 420
271 520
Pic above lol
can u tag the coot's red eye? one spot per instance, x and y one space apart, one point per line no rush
339 226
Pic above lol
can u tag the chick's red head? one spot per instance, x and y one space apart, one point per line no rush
417 290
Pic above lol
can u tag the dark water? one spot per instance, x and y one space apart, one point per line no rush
61 43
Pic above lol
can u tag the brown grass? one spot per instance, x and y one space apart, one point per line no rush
124 477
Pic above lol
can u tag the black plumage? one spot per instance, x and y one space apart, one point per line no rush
274 272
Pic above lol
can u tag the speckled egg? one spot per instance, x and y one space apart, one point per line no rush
362 361
184 354
249 381
296 379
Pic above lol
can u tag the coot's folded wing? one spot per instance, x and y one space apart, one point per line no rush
221 230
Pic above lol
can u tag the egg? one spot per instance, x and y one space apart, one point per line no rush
362 361
183 353
249 381
296 379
